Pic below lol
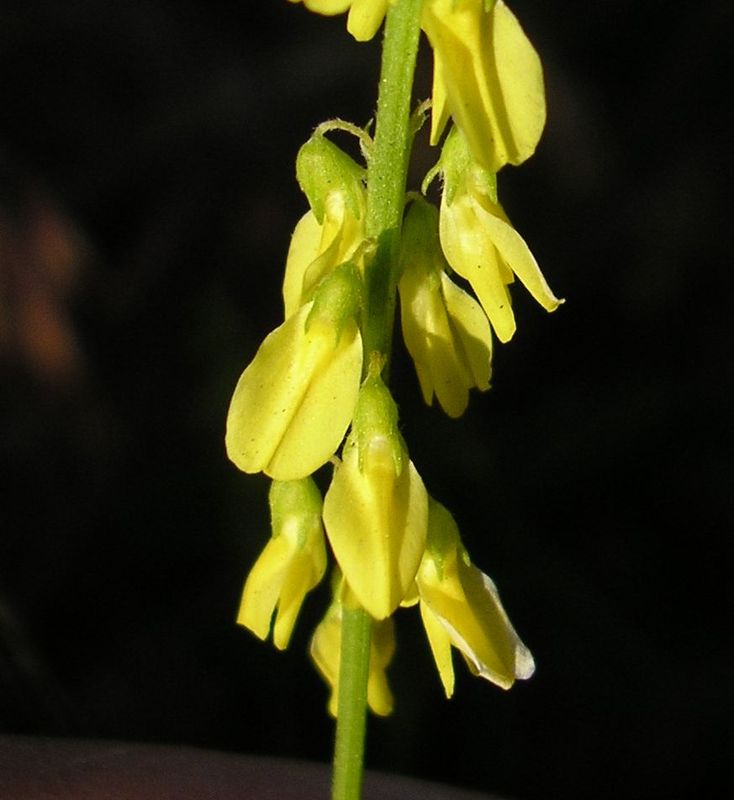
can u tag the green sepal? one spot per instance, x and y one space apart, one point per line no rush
376 417
322 167
295 500
419 244
338 298
461 172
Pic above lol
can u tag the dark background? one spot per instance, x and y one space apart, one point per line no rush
147 195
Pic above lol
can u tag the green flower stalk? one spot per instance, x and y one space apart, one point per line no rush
317 391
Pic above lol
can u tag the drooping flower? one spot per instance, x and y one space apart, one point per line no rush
292 563
461 608
375 510
365 16
479 241
445 330
294 402
326 648
488 77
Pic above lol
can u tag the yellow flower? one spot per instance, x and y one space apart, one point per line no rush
460 607
375 510
488 77
292 563
325 650
317 248
445 330
365 16
294 402
481 245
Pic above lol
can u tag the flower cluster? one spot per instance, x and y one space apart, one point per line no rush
311 388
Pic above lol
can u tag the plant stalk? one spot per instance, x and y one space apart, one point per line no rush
387 170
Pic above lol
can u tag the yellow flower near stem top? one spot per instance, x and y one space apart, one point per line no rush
488 77
325 651
479 241
460 608
445 330
486 73
294 402
292 563
365 16
375 511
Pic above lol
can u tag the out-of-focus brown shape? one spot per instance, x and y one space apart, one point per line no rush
41 257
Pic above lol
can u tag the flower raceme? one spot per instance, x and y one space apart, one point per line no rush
292 563
294 402
460 608
445 330
479 242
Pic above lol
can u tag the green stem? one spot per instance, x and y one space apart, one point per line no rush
351 719
387 171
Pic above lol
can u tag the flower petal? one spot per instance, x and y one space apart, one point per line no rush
365 17
440 643
515 253
470 251
493 79
376 522
292 405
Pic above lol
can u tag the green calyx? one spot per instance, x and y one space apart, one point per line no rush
419 245
461 172
376 420
298 501
338 298
321 168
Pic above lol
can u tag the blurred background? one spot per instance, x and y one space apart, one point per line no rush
147 196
